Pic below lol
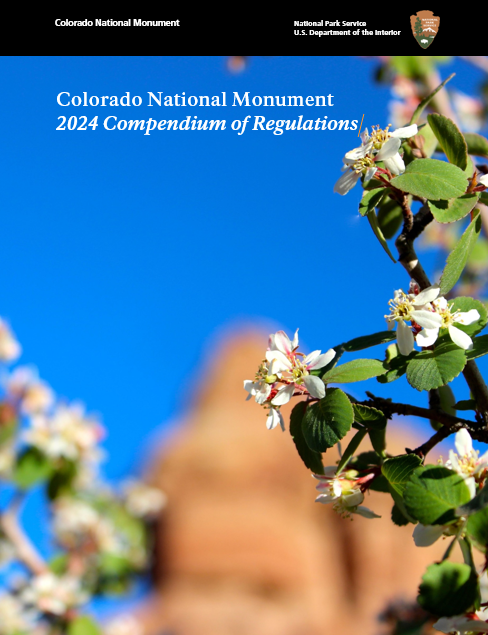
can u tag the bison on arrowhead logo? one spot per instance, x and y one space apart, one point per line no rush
425 26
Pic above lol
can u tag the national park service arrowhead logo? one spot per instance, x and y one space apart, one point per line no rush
425 26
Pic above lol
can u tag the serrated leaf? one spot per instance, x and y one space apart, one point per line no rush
371 199
476 504
390 218
356 370
367 341
397 516
432 179
32 467
433 493
431 369
373 221
459 255
448 588
450 138
328 421
83 625
369 417
397 366
454 209
398 470
480 347
477 529
312 460
477 144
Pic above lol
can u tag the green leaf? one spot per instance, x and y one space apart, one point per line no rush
378 440
476 504
398 470
83 625
458 257
454 209
390 218
356 370
373 221
431 369
61 481
397 365
448 589
432 179
313 460
450 138
328 421
397 516
433 493
477 144
369 417
466 404
480 348
477 529
7 431
464 304
32 467
353 445
370 200
111 564
426 101
367 341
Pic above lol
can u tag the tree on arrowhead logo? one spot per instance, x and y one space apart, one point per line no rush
425 26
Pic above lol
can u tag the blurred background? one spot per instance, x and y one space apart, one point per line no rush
139 271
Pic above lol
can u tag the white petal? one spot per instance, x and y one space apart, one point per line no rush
356 153
347 181
279 362
283 395
427 337
427 319
370 172
395 164
406 132
467 317
315 386
366 512
460 338
274 418
353 499
426 535
404 339
321 360
463 442
281 342
460 624
427 295
389 149
483 180
249 386
325 498
294 343
453 461
471 483
263 394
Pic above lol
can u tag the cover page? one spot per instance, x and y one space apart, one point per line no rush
241 340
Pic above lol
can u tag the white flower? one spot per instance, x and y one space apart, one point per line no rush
34 395
284 365
143 501
10 349
429 335
54 594
343 491
297 367
68 433
462 624
14 618
483 180
467 461
412 308
381 145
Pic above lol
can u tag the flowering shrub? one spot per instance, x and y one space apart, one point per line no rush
101 535
437 339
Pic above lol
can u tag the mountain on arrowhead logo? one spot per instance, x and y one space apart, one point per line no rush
425 26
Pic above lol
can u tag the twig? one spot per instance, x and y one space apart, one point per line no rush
27 553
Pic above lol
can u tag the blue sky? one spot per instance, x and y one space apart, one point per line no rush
124 254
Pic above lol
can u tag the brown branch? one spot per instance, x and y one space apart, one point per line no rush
26 552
